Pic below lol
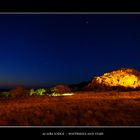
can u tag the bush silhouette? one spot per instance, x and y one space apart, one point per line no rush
60 89
19 91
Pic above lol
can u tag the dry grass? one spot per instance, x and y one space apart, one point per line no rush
82 109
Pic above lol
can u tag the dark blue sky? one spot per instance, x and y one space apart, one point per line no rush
62 49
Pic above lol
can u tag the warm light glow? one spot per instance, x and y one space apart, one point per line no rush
123 77
62 94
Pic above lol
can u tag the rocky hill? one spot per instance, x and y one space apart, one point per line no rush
127 78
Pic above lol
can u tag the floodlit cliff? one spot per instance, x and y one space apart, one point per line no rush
124 77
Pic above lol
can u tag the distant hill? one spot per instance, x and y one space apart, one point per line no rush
80 86
124 78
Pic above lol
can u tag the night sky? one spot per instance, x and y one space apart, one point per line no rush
48 49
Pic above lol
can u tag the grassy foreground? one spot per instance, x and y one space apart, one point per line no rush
81 109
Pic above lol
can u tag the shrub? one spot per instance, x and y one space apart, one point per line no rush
60 89
4 94
38 92
18 92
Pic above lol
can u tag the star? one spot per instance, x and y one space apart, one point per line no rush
87 22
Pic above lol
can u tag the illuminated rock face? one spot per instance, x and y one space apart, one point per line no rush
125 77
